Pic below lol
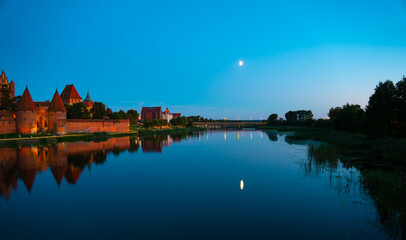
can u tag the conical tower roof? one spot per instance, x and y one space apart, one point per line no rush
26 103
58 173
88 98
28 177
57 104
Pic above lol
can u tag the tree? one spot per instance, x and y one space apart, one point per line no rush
119 115
189 122
272 119
155 122
181 121
332 114
349 118
77 111
163 122
147 123
380 114
400 125
291 117
303 115
133 115
8 103
99 110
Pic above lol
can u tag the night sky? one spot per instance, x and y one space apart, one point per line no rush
185 54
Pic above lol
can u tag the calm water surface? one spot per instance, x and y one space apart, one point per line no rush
208 185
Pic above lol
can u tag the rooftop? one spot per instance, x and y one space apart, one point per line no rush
26 103
57 104
70 92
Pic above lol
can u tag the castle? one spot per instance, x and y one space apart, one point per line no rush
6 87
31 117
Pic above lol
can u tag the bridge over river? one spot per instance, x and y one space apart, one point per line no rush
229 124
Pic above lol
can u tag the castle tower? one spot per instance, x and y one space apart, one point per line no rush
88 101
3 78
57 115
12 88
70 96
26 114
5 85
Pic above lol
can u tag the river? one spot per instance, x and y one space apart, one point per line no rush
242 184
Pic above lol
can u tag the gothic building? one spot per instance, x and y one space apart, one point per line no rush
6 87
151 113
70 96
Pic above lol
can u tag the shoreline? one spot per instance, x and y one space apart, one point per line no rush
44 139
349 145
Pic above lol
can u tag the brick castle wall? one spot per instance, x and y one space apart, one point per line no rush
57 122
96 125
59 125
8 126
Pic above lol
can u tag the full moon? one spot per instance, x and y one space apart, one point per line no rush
240 63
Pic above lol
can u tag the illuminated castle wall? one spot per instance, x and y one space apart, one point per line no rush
32 117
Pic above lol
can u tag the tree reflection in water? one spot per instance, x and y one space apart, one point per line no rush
385 185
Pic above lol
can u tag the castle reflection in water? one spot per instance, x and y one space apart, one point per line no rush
67 160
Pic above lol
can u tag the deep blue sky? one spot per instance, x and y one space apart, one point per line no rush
184 54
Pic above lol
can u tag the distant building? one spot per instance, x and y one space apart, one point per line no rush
151 113
70 96
88 101
169 116
5 86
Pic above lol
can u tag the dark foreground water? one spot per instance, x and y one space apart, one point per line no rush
209 185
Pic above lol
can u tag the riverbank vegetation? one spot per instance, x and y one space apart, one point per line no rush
99 111
379 131
383 117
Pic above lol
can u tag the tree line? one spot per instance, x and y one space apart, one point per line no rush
99 111
383 117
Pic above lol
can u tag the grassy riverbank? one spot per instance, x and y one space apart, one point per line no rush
13 140
382 150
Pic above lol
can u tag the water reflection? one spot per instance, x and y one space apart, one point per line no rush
275 171
67 160
272 135
385 185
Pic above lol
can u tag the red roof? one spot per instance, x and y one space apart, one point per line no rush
26 103
57 104
28 177
72 174
58 173
70 92
151 109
